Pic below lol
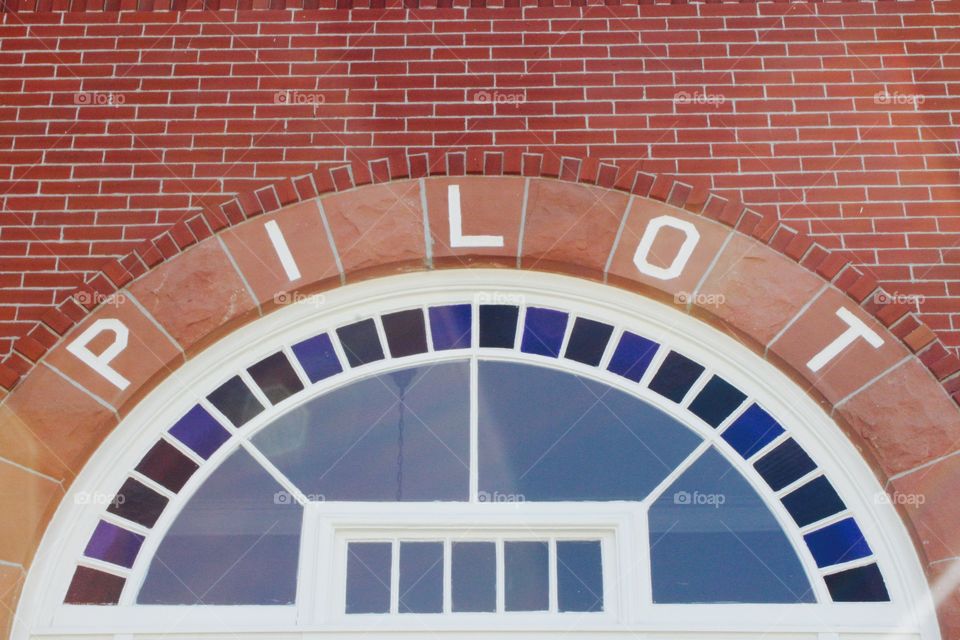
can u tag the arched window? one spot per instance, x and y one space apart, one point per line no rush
500 453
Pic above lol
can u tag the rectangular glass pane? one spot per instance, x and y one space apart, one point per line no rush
368 577
579 576
474 576
421 577
526 576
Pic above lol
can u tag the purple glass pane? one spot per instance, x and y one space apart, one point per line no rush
199 431
111 543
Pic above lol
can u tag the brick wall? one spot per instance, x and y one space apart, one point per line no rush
843 119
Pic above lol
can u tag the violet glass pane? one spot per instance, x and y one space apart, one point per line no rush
114 544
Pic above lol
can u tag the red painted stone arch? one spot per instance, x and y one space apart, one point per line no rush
782 296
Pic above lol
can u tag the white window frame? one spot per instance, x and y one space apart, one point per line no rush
910 613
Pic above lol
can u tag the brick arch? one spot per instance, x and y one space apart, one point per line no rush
773 289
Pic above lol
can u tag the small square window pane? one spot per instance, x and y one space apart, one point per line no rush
579 575
421 577
368 577
474 569
526 576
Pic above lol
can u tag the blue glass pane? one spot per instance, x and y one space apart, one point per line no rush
862 584
114 544
399 436
839 542
784 464
525 566
543 331
421 577
579 576
236 541
498 325
368 577
451 326
199 431
276 377
550 435
474 576
360 342
406 332
714 540
317 357
751 431
813 501
675 376
235 400
632 356
716 401
588 341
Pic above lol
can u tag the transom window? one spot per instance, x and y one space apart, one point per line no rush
483 458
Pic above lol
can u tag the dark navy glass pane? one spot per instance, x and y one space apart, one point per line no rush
368 577
579 576
543 331
385 438
863 584
551 435
786 463
716 401
588 341
111 543
236 541
632 356
406 332
360 342
276 377
712 539
751 431
90 586
813 501
317 357
839 542
235 400
451 326
675 376
474 576
498 325
138 503
421 577
200 431
165 465
525 576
